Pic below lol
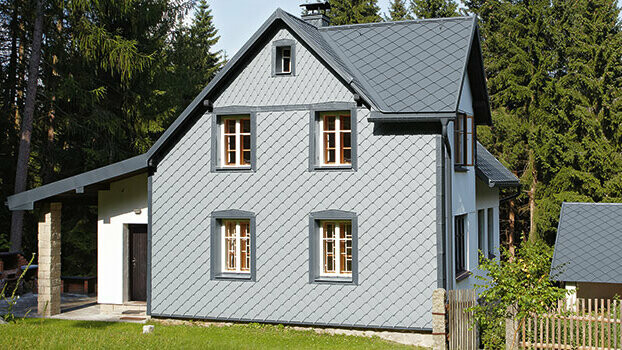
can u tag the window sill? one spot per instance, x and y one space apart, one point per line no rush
333 168
334 280
232 276
460 168
237 169
462 275
281 74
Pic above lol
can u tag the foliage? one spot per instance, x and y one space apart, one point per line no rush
30 334
398 11
354 11
555 82
434 8
114 75
12 300
515 288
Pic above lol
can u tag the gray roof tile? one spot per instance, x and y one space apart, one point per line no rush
490 170
588 243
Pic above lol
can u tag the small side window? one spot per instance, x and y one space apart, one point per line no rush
464 140
460 242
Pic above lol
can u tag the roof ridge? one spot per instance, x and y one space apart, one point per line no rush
388 23
592 203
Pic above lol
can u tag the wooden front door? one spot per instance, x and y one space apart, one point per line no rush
138 262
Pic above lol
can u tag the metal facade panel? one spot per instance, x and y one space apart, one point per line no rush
588 243
312 82
393 193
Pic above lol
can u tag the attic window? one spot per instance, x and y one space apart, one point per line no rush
464 140
283 58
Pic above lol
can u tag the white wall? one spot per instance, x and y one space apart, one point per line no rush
115 210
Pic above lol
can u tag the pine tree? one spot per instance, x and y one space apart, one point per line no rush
398 11
434 8
354 11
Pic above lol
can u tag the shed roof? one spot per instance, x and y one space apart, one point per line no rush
587 248
490 170
25 200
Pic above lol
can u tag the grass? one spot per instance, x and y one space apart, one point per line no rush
62 334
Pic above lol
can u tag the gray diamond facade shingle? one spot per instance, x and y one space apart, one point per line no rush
589 237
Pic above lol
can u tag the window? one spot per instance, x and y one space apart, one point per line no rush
491 233
333 247
464 140
236 245
236 141
336 248
460 249
232 245
481 232
283 57
233 142
333 141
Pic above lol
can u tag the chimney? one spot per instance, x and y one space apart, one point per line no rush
316 13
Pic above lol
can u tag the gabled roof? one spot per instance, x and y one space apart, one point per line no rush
398 68
25 200
589 237
490 170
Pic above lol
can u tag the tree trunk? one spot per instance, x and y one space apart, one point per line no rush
512 228
532 198
21 172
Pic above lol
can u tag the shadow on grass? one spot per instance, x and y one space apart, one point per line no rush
91 324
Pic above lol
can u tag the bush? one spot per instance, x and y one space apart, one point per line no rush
514 287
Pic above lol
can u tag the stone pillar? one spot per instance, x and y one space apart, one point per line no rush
439 320
49 283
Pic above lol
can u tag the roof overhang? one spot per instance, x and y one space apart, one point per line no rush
377 116
77 184
491 171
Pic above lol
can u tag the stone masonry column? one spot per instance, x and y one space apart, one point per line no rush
439 320
49 260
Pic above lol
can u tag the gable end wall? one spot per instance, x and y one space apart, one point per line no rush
393 193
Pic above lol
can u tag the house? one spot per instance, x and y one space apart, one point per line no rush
327 176
587 257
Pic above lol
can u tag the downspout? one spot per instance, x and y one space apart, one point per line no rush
447 206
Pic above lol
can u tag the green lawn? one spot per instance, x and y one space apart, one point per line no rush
56 334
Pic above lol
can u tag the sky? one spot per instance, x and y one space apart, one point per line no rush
235 32
237 20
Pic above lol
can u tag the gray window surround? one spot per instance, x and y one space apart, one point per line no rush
215 240
284 43
314 144
215 156
314 252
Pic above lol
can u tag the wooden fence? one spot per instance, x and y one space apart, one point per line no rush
584 324
462 332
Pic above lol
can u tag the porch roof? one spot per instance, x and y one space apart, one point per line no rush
82 186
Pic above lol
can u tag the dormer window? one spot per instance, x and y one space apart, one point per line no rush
283 57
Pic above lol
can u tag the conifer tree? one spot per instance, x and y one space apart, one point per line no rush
354 11
398 11
434 8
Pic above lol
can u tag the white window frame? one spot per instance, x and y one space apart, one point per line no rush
238 246
238 142
338 132
337 252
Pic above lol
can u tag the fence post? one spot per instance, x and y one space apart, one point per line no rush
439 319
511 331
